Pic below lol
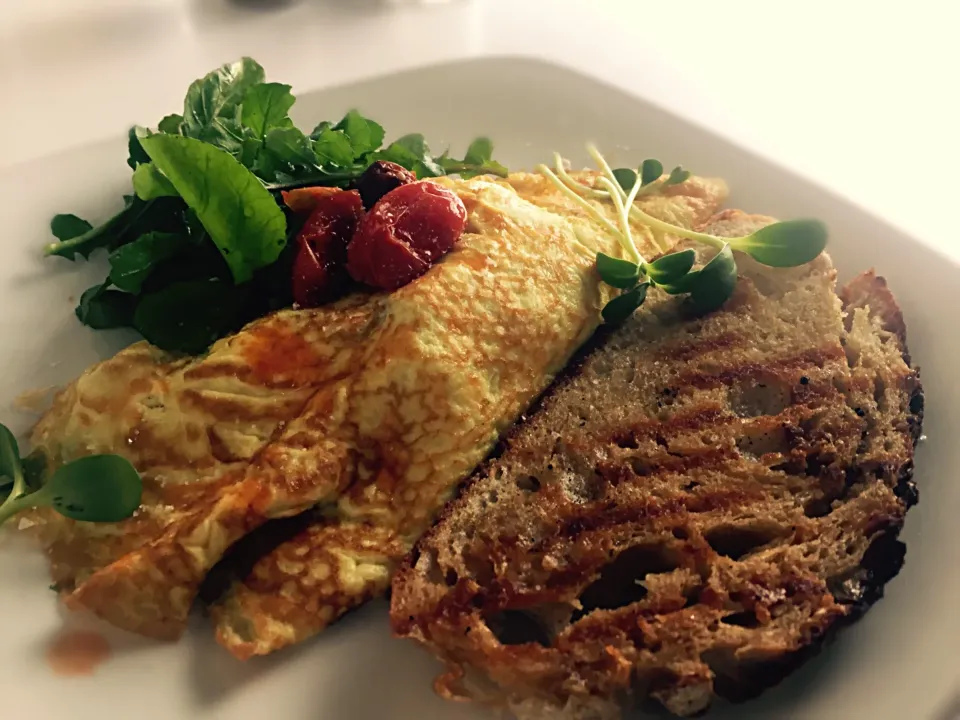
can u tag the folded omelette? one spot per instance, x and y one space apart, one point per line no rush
369 410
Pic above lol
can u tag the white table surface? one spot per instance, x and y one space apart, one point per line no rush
862 99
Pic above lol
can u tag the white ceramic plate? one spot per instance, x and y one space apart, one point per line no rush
898 662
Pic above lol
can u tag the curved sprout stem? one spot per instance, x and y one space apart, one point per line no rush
606 170
666 227
627 239
575 185
632 195
636 212
14 505
570 193
624 204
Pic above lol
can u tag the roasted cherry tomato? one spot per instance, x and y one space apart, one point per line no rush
379 179
319 270
406 232
303 200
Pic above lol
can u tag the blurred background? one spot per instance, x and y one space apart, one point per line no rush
856 94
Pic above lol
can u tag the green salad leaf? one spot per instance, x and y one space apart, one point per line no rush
266 107
287 152
681 285
242 218
34 467
413 153
93 238
624 305
10 468
625 177
333 148
67 227
102 308
149 183
171 125
136 154
96 488
212 107
677 176
131 264
136 217
188 316
477 161
364 134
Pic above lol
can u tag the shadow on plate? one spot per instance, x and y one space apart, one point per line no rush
401 673
951 710
352 685
215 674
785 699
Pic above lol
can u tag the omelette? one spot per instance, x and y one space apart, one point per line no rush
366 412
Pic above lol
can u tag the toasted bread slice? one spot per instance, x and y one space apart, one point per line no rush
688 512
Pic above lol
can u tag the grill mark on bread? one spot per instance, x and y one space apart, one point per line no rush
608 515
691 350
779 368
658 430
616 472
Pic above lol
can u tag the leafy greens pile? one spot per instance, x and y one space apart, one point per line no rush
203 246
783 244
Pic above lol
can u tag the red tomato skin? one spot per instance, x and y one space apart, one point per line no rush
408 230
319 270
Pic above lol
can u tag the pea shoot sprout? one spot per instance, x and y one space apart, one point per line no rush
783 244
95 488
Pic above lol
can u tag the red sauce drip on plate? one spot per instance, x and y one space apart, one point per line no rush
77 653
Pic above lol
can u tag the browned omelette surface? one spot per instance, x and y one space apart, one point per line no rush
373 408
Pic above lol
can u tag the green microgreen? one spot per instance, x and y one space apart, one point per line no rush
783 244
624 304
616 272
677 175
713 285
96 488
625 177
671 267
650 171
